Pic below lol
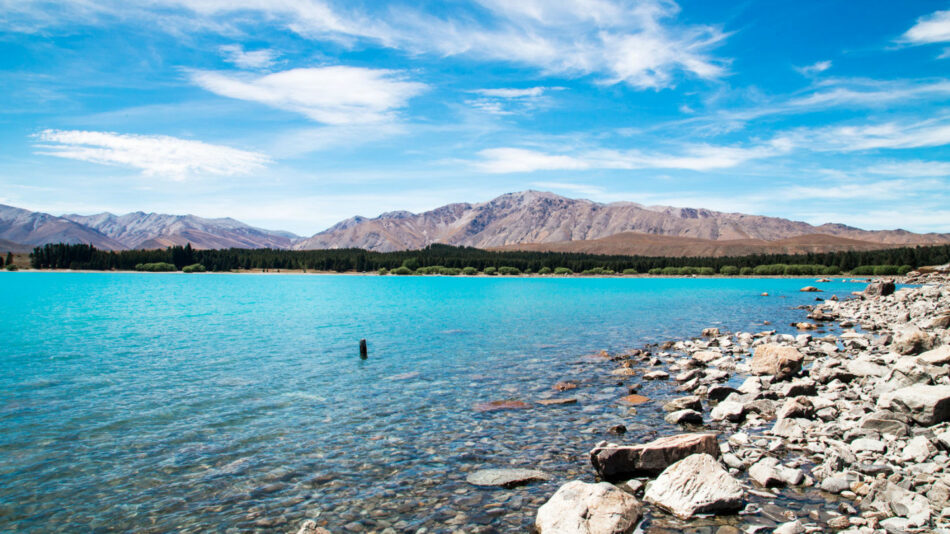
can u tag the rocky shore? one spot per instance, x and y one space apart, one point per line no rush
863 416
849 419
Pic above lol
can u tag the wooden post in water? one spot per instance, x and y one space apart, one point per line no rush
363 355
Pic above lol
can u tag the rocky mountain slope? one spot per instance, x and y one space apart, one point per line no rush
155 230
539 217
35 228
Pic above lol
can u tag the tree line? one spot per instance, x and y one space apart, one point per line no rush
87 257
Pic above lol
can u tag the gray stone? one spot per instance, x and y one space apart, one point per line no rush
835 484
792 527
729 411
506 478
696 485
797 407
691 402
777 360
911 340
581 508
622 462
937 356
928 405
684 417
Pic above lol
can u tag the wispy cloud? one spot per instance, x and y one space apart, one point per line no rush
248 59
933 28
912 169
330 95
691 157
154 155
886 135
636 42
531 92
814 68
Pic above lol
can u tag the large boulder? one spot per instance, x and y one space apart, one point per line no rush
881 288
506 478
694 485
777 360
911 340
581 508
623 462
937 356
928 405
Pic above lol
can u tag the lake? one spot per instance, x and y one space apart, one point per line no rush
218 402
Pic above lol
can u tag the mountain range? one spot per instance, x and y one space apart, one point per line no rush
528 220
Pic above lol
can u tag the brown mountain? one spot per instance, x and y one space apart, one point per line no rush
10 246
537 217
156 230
637 244
35 228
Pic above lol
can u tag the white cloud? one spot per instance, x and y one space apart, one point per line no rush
248 59
692 157
814 68
933 28
581 189
888 135
155 155
532 92
912 169
636 42
331 95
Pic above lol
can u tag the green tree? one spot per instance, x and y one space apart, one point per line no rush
9 259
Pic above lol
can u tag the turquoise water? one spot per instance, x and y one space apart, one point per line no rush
157 402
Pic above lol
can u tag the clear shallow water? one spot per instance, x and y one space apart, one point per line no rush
157 402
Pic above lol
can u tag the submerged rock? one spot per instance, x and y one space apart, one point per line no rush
581 508
310 527
501 405
506 478
695 485
621 462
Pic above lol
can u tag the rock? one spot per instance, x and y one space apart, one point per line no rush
918 450
792 527
809 289
728 411
718 392
581 508
798 387
880 288
839 523
937 356
622 462
656 375
911 340
797 407
634 399
565 386
710 332
501 405
706 356
884 422
617 429
694 485
506 478
907 504
792 428
928 405
777 360
623 371
684 417
691 402
769 472
835 484
310 527
557 402
868 445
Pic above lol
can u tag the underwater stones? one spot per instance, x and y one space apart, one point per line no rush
581 508
557 402
310 527
498 405
620 462
505 478
634 399
697 484
565 386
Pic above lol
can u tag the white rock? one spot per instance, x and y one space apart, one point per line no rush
694 485
792 527
937 356
917 450
867 445
927 405
581 508
729 411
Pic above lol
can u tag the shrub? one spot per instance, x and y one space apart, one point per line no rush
450 271
469 271
382 271
490 271
707 271
193 268
563 270
509 271
831 269
545 270
904 269
411 263
655 270
745 271
402 270
774 269
729 270
158 267
12 267
630 271
671 271
881 270
596 271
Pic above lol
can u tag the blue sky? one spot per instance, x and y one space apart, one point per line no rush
294 114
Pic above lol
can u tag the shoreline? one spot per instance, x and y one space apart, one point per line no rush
860 419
